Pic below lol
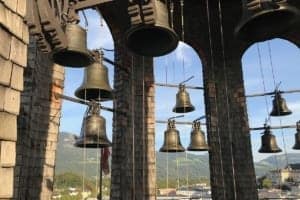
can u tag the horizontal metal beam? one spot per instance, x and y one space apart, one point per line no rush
76 100
274 127
85 4
272 93
176 86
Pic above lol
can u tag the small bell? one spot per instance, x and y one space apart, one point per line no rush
93 130
172 139
95 84
264 20
198 142
150 33
279 106
183 102
297 137
269 144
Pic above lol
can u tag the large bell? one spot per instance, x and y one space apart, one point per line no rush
297 137
263 20
198 142
279 106
183 102
269 144
76 54
172 139
93 130
151 35
95 84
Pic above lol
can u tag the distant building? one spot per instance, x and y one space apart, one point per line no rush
290 173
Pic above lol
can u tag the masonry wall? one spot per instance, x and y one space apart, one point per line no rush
13 57
38 126
133 152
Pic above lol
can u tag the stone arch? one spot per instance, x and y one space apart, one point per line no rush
284 55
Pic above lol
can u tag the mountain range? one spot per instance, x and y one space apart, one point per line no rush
178 165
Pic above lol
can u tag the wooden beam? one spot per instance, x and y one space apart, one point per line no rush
85 4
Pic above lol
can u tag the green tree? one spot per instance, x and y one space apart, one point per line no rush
266 183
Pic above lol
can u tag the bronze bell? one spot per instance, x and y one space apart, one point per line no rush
76 54
93 130
269 144
172 139
198 142
150 33
95 84
279 106
183 102
263 20
297 137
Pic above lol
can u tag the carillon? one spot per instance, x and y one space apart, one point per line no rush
279 106
183 102
297 137
95 85
198 142
93 130
269 144
150 33
172 141
263 20
76 54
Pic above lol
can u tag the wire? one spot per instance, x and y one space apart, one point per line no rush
263 82
133 126
215 99
280 118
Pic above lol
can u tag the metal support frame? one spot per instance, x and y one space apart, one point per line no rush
176 86
251 129
85 102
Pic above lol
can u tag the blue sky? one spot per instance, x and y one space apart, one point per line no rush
170 69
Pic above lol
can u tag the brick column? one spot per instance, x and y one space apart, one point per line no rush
38 127
133 154
13 56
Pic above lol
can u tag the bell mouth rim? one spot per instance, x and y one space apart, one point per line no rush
79 93
183 110
276 151
242 32
197 149
281 114
142 27
59 57
171 151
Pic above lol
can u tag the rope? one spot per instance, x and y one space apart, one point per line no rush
182 19
216 107
263 81
227 98
143 126
133 127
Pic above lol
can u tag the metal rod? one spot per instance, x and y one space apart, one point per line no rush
199 118
271 93
176 86
75 100
190 78
100 178
165 122
274 127
178 116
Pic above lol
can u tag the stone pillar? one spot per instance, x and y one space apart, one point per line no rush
232 172
133 155
14 39
38 126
